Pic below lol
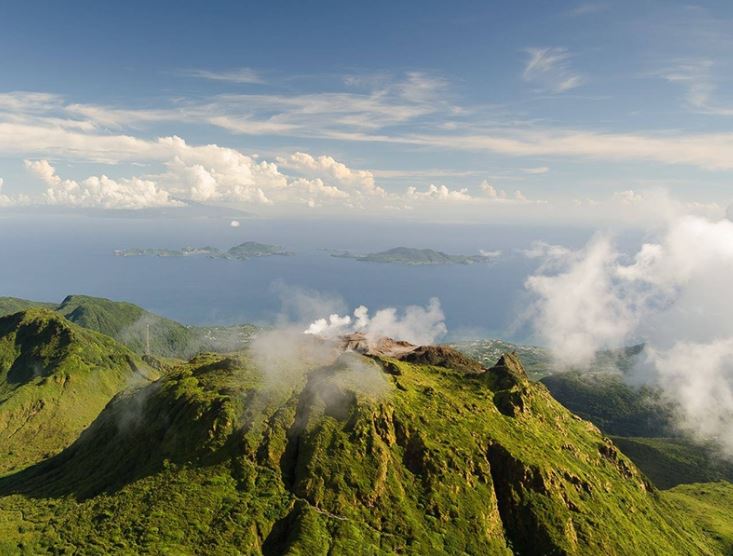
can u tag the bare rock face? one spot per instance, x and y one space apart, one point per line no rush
437 356
384 347
442 356
507 373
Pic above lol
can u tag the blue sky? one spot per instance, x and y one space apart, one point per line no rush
548 111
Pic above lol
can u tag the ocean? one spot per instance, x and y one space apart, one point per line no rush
48 256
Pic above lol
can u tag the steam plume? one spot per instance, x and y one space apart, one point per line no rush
417 325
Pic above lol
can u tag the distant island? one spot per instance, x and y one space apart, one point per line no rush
241 252
412 256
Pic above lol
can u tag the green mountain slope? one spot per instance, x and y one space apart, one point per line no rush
640 424
709 506
10 305
671 461
364 456
610 403
130 325
55 378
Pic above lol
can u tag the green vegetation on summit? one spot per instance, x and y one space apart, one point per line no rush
399 449
215 457
10 305
636 417
412 256
135 327
128 323
55 378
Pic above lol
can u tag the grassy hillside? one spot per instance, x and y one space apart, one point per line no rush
55 378
672 461
216 458
610 403
129 324
639 423
10 305
709 506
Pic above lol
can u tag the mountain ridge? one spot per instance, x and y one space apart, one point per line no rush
426 459
55 378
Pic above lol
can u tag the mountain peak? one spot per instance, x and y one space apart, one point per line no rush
431 466
507 372
435 355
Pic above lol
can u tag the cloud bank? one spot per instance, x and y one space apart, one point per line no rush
673 293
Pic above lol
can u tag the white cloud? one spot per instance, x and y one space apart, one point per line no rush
39 125
207 174
548 251
577 311
327 166
438 193
673 294
628 197
239 75
696 77
99 191
417 325
44 170
12 200
4 199
29 102
536 170
492 192
495 194
704 150
549 69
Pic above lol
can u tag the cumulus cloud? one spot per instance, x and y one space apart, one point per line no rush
12 200
438 192
549 69
206 173
495 194
628 197
547 251
328 167
99 191
579 311
417 325
672 293
212 173
4 199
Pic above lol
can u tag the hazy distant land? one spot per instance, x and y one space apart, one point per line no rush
413 256
241 252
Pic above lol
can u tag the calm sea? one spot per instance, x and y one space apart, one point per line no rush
46 257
